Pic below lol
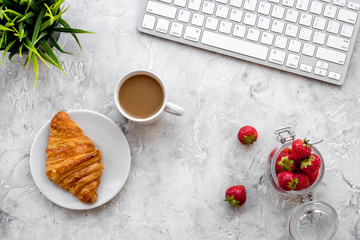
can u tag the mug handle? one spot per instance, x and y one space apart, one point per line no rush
174 109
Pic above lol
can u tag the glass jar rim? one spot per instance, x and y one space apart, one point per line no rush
303 209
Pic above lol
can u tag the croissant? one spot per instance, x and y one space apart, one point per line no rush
72 162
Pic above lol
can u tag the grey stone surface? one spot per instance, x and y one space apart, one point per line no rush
181 166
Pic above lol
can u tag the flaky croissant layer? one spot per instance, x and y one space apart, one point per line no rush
72 161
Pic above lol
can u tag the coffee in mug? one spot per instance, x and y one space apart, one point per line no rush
141 97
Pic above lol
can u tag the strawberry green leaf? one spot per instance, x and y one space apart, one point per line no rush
307 161
293 183
232 201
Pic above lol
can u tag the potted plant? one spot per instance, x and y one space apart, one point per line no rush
29 26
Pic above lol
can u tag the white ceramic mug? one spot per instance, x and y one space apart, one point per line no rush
165 107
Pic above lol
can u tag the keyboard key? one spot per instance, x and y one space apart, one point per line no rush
339 2
291 30
277 26
236 3
180 3
323 65
225 27
294 46
236 15
277 56
302 4
305 19
333 27
197 19
148 22
308 49
162 25
161 9
334 75
250 5
264 23
288 3
316 7
280 42
331 55
250 19
347 16
319 38
194 5
353 6
192 33
264 8
319 23
274 1
306 68
267 38
222 1
330 11
253 34
167 1
211 23
278 12
347 31
292 61
338 43
291 15
235 45
208 7
320 72
176 29
222 11
239 31
305 34
184 16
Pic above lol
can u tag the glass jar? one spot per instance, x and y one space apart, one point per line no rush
311 219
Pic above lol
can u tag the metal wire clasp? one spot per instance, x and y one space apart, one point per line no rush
285 134
303 198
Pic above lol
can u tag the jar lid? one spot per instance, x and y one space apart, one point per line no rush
313 220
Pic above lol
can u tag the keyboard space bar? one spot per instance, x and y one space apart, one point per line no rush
234 45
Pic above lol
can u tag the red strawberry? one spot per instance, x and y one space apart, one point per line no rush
236 195
284 162
287 180
300 149
313 176
272 154
310 164
286 150
303 180
247 135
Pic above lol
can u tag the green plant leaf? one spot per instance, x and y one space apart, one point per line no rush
48 59
36 68
11 55
70 30
31 48
37 25
56 45
45 46
6 50
3 28
65 24
13 12
26 17
56 6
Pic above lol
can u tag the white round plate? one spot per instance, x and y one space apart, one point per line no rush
115 152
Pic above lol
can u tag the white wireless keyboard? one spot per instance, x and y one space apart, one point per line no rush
310 38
